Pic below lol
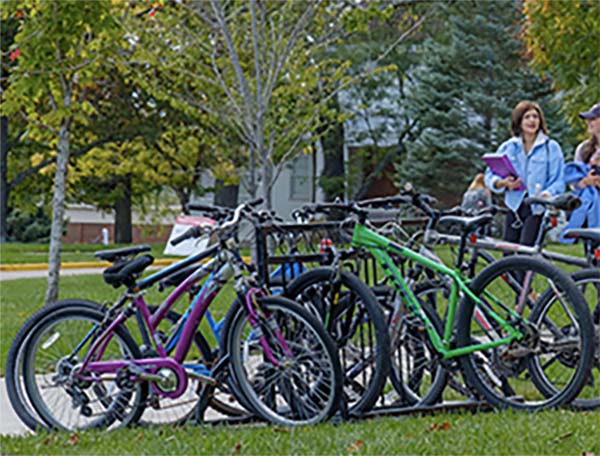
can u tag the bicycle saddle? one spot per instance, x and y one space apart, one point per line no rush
591 234
118 254
466 223
564 202
126 272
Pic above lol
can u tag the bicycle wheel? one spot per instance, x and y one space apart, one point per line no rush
286 367
502 374
56 346
15 386
353 317
416 370
588 282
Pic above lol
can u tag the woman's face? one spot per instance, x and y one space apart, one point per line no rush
530 123
593 126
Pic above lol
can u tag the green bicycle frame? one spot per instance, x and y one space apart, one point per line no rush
379 246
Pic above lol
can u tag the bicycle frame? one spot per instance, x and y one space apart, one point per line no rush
379 246
198 307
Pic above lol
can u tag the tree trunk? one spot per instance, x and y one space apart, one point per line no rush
3 178
226 195
123 227
333 180
266 184
58 210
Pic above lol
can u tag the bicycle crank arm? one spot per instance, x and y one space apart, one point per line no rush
201 378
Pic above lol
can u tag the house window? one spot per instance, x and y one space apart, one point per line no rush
300 179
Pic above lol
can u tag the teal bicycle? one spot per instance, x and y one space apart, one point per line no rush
499 338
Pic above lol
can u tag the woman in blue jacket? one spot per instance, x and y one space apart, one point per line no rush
540 164
584 177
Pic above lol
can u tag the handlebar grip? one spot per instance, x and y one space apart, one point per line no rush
203 207
255 202
191 232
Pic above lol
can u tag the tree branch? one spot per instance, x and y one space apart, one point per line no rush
79 152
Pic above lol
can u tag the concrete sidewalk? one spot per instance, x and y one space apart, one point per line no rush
10 424
32 270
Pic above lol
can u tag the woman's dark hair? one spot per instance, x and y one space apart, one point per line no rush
589 148
519 112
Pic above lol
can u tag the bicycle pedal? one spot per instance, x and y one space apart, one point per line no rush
201 378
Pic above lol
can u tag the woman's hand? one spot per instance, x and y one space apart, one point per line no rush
591 180
511 183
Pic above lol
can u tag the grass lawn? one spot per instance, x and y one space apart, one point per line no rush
19 253
553 432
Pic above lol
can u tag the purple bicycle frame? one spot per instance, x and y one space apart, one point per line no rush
200 304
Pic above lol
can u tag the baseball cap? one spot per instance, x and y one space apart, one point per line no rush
592 113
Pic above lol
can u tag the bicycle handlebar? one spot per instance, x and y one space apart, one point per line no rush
384 201
197 231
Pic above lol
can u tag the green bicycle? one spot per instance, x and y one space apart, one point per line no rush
499 338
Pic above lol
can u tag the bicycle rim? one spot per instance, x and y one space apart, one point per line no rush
502 374
60 400
293 386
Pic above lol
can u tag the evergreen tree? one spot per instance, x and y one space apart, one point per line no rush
473 74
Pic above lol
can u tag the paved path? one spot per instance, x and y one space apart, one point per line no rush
9 421
11 275
10 424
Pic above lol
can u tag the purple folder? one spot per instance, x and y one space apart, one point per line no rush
501 166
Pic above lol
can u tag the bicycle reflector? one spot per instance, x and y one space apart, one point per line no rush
325 244
554 221
473 238
597 254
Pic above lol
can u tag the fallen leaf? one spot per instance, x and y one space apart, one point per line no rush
50 440
140 436
236 449
440 427
356 446
281 429
73 440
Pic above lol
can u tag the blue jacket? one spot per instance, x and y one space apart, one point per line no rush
544 165
590 200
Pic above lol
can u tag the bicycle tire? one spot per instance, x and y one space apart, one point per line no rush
591 391
414 359
363 386
15 390
111 408
497 373
312 393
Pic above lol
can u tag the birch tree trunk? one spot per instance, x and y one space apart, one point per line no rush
3 178
58 207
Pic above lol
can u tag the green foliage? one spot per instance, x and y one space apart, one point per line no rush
470 78
27 227
562 39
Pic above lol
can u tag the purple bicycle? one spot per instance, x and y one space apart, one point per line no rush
83 369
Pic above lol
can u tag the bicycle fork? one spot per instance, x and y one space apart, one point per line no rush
255 314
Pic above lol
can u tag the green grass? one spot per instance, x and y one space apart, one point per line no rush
554 432
19 253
